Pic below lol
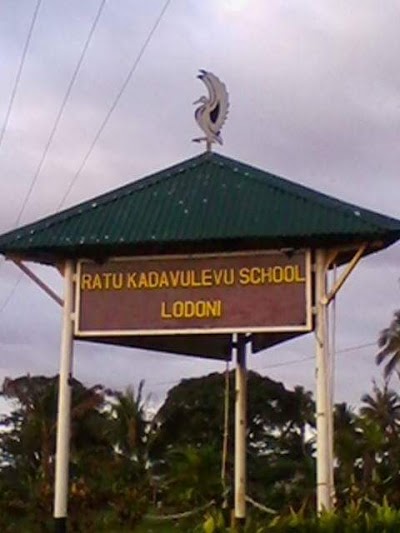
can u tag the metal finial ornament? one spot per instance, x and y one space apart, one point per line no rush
212 113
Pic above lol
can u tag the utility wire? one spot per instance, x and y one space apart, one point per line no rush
19 72
61 111
303 359
354 348
11 293
102 126
55 125
288 363
115 102
8 113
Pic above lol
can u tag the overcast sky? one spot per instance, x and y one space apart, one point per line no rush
315 97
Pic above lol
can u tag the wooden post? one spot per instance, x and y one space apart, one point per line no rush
240 430
64 406
324 412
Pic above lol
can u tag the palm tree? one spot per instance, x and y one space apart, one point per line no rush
383 409
383 406
373 443
104 473
27 446
303 414
32 425
389 344
131 425
348 451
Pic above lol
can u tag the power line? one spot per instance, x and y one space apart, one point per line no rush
308 358
358 347
8 113
19 72
102 126
288 363
61 111
115 102
11 293
55 125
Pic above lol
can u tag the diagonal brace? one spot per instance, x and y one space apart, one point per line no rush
26 270
346 273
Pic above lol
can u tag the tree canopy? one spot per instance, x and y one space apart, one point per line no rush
127 461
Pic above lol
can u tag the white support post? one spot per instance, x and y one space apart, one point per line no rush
240 429
64 405
323 396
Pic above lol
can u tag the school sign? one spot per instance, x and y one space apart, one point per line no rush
183 259
243 292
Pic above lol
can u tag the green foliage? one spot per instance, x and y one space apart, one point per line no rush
191 477
280 458
124 462
378 519
107 488
389 344
214 523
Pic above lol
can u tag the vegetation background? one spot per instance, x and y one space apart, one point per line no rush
129 468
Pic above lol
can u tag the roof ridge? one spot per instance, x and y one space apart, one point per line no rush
321 202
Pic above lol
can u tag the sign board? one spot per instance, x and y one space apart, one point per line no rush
235 292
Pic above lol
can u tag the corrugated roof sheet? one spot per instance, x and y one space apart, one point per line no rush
209 202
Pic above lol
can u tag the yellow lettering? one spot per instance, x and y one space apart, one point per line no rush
185 278
152 279
142 283
178 309
106 280
131 280
255 276
97 282
213 308
86 282
298 277
201 309
117 281
194 282
229 276
206 277
174 277
188 309
217 277
163 281
244 276
266 275
164 311
288 272
277 274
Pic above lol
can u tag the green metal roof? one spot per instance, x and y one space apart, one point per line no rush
207 203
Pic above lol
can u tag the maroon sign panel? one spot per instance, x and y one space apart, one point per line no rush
194 294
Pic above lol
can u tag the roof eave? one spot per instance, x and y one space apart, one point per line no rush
55 255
